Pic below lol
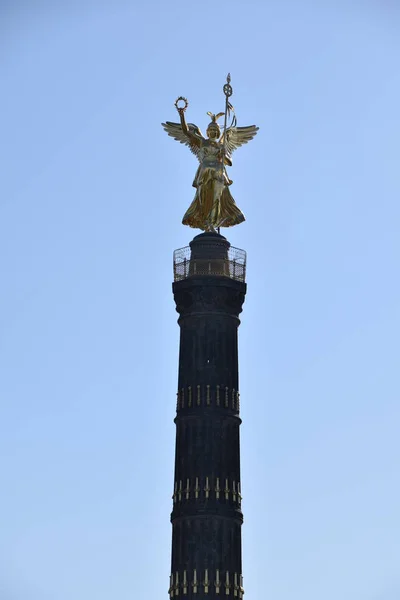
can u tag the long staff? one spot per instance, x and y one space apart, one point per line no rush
228 91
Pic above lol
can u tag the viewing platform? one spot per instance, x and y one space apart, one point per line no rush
210 255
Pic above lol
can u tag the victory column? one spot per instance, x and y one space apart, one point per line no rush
209 290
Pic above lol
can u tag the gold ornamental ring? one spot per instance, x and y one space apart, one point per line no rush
183 108
228 91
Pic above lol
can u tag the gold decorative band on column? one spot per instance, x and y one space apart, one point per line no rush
207 487
180 581
207 396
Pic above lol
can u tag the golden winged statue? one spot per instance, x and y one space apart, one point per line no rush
213 205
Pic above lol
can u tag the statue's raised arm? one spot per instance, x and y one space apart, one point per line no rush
185 133
213 205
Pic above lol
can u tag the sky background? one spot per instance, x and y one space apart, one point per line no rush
92 193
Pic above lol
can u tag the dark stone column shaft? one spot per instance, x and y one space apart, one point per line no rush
207 516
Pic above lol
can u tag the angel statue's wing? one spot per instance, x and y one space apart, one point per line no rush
193 140
237 136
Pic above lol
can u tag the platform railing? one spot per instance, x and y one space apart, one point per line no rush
234 266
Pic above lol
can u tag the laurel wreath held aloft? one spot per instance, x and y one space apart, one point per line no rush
181 108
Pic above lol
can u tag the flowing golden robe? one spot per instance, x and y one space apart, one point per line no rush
213 205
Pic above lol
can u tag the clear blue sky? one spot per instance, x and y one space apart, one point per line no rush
92 193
